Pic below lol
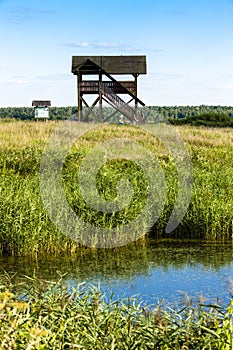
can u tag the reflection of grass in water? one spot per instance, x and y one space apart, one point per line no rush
25 226
124 263
51 317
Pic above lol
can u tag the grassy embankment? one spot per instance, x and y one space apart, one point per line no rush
26 227
47 316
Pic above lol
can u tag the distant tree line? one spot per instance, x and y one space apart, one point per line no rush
27 113
195 115
179 112
205 119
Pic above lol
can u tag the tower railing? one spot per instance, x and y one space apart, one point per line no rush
121 105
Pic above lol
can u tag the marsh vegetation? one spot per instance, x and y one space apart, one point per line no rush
48 316
44 313
26 227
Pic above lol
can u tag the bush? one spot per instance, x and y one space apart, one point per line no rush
205 119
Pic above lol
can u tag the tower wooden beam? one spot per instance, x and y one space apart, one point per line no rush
108 91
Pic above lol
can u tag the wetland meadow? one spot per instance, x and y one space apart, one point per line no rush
163 291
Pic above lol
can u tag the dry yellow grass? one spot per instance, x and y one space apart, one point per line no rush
20 134
203 136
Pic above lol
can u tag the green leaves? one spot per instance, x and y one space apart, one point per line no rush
52 317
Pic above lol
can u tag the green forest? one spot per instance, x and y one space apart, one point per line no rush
192 115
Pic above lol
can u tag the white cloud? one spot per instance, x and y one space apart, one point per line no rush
228 87
54 77
15 81
21 14
107 46
227 75
43 79
163 76
98 45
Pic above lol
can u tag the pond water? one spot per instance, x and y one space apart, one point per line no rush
151 271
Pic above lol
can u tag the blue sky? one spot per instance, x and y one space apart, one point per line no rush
188 44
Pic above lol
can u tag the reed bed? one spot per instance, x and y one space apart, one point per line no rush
37 314
26 228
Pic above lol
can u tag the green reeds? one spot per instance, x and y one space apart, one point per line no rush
26 227
44 315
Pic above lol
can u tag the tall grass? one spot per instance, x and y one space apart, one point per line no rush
26 227
45 315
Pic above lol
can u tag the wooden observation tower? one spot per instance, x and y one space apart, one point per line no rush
106 87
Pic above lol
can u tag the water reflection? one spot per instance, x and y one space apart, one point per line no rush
151 270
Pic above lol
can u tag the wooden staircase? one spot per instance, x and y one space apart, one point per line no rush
121 105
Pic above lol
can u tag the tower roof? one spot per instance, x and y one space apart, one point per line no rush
110 64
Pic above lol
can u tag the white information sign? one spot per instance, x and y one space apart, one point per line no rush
42 113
